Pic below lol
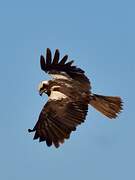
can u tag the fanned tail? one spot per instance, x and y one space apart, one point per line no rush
110 106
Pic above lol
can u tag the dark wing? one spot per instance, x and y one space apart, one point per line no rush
58 119
57 66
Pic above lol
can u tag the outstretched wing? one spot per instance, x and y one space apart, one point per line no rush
58 119
61 67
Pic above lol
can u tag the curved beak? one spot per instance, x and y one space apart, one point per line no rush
41 92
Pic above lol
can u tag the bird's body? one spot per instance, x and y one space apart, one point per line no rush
69 95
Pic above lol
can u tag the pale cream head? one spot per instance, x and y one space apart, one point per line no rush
42 87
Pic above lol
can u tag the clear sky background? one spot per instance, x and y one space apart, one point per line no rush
100 37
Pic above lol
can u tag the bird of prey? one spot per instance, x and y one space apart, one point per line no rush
69 96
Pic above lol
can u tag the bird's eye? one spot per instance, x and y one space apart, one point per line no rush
44 85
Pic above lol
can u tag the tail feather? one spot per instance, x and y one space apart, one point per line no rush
110 106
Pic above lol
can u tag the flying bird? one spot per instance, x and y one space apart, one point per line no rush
69 96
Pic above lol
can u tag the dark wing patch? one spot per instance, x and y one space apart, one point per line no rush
57 120
57 66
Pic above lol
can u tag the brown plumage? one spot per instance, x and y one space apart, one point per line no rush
69 95
110 106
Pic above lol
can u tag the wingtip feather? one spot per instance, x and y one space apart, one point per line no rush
48 56
42 62
63 60
56 56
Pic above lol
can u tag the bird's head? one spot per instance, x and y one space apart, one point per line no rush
43 87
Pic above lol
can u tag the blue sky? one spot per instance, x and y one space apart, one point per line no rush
99 36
